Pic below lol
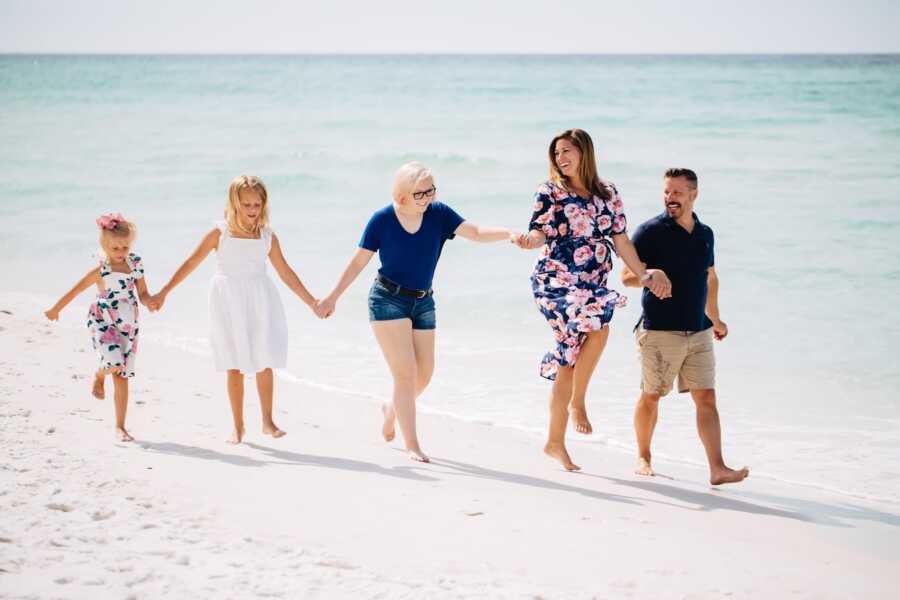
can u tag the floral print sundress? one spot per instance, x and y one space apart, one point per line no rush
113 316
569 278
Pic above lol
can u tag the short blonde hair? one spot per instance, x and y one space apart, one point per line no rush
121 230
407 176
256 185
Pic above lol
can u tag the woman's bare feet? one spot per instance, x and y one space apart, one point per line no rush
417 455
580 421
643 468
123 435
726 475
272 429
237 436
387 428
558 451
98 391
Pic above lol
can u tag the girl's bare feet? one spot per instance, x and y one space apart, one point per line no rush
580 421
643 468
387 429
272 429
237 436
98 391
417 455
726 475
123 435
558 451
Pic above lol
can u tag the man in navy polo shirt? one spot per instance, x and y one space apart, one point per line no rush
675 335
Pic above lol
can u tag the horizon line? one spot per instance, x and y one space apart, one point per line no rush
416 53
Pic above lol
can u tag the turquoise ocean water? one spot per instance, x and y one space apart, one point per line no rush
799 164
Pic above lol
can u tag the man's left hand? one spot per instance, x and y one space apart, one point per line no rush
720 330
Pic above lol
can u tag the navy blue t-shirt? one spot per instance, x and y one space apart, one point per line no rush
410 258
686 258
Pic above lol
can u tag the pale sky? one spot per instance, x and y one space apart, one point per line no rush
452 26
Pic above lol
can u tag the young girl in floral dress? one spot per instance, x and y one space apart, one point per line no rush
248 329
579 222
113 316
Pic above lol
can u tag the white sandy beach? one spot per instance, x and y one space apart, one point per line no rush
331 511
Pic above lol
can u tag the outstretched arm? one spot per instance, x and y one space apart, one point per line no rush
480 233
91 278
325 307
209 243
287 274
720 329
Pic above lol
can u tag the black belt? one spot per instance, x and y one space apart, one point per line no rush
396 288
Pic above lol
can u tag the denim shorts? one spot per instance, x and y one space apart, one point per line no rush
385 306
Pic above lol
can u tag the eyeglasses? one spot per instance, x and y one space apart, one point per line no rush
429 193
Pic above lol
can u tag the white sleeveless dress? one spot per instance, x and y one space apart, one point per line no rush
248 329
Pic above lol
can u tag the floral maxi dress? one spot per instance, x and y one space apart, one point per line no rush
569 279
113 317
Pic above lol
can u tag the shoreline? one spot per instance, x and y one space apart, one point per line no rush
198 347
330 510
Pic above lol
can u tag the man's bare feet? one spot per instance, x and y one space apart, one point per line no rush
417 455
726 475
97 391
272 429
123 435
237 436
387 428
580 421
558 451
643 468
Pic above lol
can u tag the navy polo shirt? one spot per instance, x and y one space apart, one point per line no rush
410 258
686 258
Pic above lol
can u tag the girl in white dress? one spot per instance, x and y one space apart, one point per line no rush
248 329
113 316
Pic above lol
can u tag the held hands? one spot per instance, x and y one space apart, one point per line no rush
659 284
720 330
324 308
154 303
524 241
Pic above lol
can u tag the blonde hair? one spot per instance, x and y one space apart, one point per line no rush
254 184
121 230
407 176
587 168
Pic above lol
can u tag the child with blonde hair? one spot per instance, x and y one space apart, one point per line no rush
248 328
113 316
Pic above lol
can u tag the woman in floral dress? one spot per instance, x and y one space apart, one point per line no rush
579 223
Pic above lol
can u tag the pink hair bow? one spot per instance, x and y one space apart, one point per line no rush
109 221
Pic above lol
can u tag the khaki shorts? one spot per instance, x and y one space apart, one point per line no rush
667 354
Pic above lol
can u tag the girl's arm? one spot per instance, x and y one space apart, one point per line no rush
287 274
325 308
480 233
209 243
143 294
658 282
92 278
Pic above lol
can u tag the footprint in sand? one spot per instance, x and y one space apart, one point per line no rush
102 516
336 564
60 507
